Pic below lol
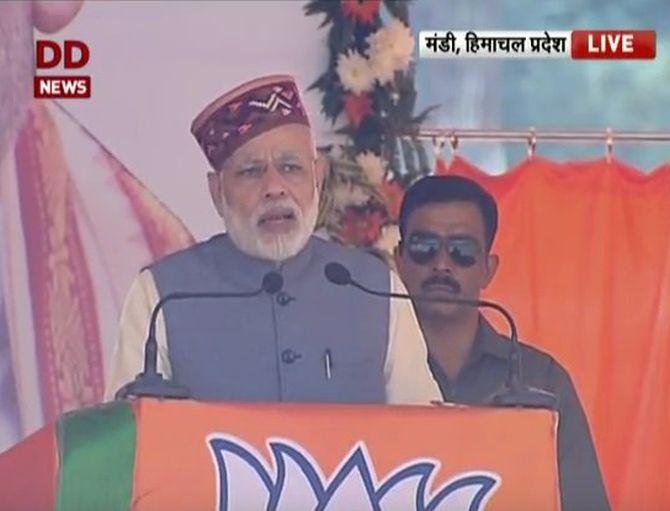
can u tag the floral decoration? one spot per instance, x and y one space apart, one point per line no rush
368 94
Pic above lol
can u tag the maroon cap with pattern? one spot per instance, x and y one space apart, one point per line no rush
244 113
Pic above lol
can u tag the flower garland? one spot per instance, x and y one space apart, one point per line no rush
368 84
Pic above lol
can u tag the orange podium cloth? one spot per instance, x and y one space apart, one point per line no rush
154 455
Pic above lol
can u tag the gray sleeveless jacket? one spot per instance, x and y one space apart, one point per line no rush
275 348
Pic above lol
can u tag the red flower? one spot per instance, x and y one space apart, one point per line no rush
361 227
361 10
357 107
393 194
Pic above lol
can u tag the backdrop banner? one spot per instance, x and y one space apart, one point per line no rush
585 269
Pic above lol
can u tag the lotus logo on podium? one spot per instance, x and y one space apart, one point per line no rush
296 481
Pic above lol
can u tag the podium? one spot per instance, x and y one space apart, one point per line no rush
151 455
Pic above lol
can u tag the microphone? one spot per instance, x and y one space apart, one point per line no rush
515 393
151 383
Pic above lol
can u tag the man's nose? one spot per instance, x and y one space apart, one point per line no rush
274 186
443 261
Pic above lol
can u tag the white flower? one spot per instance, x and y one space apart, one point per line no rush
373 167
383 66
355 72
392 46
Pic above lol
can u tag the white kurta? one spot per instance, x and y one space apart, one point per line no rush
408 379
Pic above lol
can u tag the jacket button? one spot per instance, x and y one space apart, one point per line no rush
290 356
284 298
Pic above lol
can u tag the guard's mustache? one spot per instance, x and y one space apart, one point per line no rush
442 280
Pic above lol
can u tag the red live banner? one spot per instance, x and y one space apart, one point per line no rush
614 44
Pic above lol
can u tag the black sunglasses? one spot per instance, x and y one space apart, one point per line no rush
423 247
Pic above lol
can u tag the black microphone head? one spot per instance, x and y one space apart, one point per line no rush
337 274
272 282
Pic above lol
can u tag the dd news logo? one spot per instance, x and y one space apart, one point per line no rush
73 55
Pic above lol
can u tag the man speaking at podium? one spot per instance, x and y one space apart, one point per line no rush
310 342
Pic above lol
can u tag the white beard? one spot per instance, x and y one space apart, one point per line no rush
247 237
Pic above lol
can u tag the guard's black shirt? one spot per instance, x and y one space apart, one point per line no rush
485 373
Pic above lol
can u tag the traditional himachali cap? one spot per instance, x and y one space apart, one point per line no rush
244 113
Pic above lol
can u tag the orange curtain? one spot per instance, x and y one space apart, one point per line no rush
585 269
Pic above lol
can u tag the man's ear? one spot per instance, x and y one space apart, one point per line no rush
492 261
216 191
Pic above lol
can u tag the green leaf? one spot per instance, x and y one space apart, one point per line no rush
423 115
382 99
313 7
398 8
331 103
341 37
327 7
405 106
347 130
326 21
369 135
320 82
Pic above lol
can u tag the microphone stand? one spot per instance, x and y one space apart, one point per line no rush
514 393
151 383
